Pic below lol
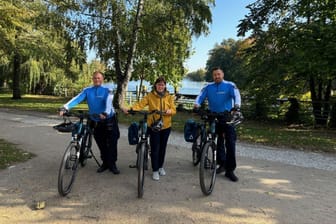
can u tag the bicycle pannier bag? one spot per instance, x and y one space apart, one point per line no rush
133 133
190 130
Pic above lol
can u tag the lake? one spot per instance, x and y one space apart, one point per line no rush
187 86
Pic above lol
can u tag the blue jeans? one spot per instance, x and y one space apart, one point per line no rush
158 144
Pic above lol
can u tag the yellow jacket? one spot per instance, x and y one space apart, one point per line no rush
153 102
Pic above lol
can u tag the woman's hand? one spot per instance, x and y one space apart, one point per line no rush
169 112
124 110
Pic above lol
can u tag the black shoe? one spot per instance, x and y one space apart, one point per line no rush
114 170
102 168
231 176
220 169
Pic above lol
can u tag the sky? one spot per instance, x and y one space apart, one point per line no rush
225 19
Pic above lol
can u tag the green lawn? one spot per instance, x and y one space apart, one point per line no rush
11 154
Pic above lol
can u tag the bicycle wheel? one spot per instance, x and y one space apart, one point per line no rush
196 150
141 169
85 148
68 169
207 169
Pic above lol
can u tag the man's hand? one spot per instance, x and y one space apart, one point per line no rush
62 111
196 108
103 116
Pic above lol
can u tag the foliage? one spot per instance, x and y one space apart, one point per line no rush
197 76
228 56
36 43
292 50
139 39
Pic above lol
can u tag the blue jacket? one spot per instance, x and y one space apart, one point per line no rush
221 96
98 98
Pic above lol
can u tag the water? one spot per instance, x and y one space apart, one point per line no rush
187 86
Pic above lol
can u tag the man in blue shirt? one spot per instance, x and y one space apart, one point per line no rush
106 131
223 96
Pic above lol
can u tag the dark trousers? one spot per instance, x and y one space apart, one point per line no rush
106 134
158 144
226 153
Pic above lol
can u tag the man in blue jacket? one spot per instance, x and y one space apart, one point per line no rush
106 131
223 97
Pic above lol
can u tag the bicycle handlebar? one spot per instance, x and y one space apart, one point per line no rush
146 112
79 114
235 117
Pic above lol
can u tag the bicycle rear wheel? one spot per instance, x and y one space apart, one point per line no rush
68 169
196 150
141 169
207 169
85 148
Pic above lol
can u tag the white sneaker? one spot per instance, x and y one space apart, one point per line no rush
156 175
162 172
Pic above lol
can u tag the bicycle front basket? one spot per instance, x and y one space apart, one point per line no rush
64 127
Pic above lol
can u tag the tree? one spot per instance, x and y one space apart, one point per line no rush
33 39
130 35
198 75
292 48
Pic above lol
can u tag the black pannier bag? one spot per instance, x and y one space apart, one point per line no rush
190 130
133 133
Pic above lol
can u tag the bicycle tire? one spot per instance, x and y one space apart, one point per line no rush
207 170
196 150
141 169
68 169
85 148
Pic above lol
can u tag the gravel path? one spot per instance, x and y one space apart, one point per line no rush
276 186
322 161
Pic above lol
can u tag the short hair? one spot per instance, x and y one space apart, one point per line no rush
97 72
216 68
160 79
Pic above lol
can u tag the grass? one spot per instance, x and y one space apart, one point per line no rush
10 154
269 134
304 139
38 103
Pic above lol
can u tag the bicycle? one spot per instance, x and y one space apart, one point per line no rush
205 148
143 148
78 150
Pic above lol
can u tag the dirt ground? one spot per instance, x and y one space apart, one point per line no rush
267 192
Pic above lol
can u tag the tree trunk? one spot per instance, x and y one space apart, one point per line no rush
321 107
124 77
332 121
16 76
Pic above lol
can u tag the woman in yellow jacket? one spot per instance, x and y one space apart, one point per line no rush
158 99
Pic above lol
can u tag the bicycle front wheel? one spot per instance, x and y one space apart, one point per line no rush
207 170
85 148
68 169
141 169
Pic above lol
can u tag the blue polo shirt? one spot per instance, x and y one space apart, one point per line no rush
98 98
221 96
